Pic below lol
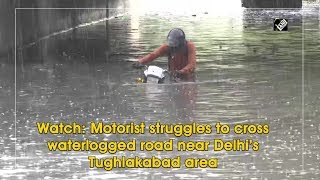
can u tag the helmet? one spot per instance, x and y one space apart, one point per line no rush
176 38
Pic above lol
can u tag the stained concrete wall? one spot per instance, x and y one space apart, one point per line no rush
49 21
33 24
272 3
6 28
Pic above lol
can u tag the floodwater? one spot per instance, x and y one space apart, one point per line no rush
246 73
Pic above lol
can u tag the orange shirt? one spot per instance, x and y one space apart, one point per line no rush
181 62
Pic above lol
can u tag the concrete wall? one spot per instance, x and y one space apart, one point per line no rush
272 3
33 24
6 28
44 22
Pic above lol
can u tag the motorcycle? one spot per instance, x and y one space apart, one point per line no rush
154 75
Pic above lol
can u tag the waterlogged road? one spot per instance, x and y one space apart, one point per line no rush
246 73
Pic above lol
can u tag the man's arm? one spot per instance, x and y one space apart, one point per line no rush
161 51
190 67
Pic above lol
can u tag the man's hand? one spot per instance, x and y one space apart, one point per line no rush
138 65
176 74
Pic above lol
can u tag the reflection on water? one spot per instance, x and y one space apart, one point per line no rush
246 73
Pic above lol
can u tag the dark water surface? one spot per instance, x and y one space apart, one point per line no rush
246 73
